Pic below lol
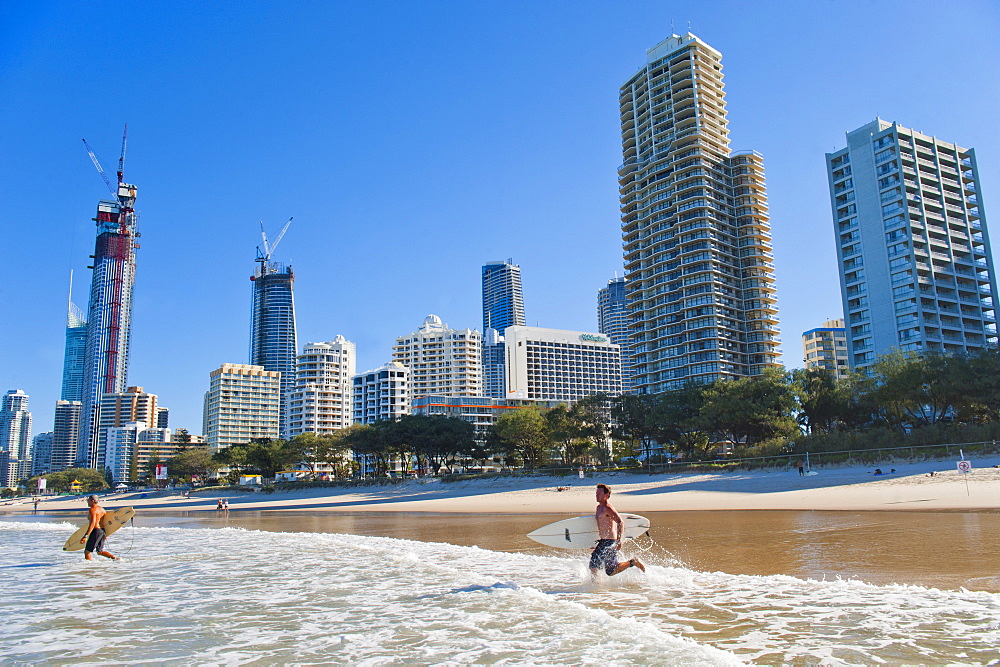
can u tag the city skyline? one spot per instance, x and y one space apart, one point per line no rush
543 158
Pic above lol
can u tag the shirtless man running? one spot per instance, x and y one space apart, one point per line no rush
95 532
609 526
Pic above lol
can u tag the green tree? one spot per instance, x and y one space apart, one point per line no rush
748 410
91 480
567 433
192 462
523 434
631 420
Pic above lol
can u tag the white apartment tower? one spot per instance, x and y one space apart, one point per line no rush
442 361
118 409
916 270
695 228
825 348
557 365
321 402
15 437
382 394
241 405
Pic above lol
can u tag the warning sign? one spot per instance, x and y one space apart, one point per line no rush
965 466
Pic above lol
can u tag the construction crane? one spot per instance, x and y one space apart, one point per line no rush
100 169
265 257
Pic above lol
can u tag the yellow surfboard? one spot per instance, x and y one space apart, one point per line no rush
110 522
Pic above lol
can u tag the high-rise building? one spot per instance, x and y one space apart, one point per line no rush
41 453
118 409
441 360
557 365
825 348
503 306
273 342
503 302
695 229
65 435
109 315
15 437
382 394
241 405
321 400
916 269
162 417
124 444
74 355
613 322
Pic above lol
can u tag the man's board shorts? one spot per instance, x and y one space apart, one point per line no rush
96 540
605 555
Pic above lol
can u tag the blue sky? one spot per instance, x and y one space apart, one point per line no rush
413 142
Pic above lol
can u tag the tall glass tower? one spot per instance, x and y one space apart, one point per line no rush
15 437
916 269
613 320
273 342
503 306
695 229
74 355
109 314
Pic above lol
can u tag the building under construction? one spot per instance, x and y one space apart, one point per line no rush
273 343
109 313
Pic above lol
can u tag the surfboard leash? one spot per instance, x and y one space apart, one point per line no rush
131 522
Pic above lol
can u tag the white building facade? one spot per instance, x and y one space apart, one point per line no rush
15 437
241 404
557 365
381 394
321 401
441 360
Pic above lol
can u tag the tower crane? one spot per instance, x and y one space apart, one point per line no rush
269 248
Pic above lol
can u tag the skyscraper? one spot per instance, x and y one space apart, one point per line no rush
74 355
916 270
273 342
109 315
15 437
503 303
65 434
613 321
118 409
503 306
695 229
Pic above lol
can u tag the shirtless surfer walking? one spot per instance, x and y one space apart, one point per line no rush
94 531
610 528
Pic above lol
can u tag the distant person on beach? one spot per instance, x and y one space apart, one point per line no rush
95 534
219 506
610 528
801 466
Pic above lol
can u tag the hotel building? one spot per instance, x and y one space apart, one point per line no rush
557 365
695 228
441 360
15 437
241 405
321 400
118 409
916 269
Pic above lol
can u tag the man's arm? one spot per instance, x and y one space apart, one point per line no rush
619 524
94 523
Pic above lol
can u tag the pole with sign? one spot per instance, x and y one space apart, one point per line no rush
965 467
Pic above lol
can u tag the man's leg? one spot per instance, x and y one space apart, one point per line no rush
632 562
86 554
106 554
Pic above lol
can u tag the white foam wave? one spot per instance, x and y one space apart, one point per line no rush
234 595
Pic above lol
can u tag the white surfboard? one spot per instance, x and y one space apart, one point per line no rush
110 522
581 532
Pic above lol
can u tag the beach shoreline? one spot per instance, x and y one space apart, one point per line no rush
850 488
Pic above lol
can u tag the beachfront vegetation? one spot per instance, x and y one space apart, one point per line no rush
90 481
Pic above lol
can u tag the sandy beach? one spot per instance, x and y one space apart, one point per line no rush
909 488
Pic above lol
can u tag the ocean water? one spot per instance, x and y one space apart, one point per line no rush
238 596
